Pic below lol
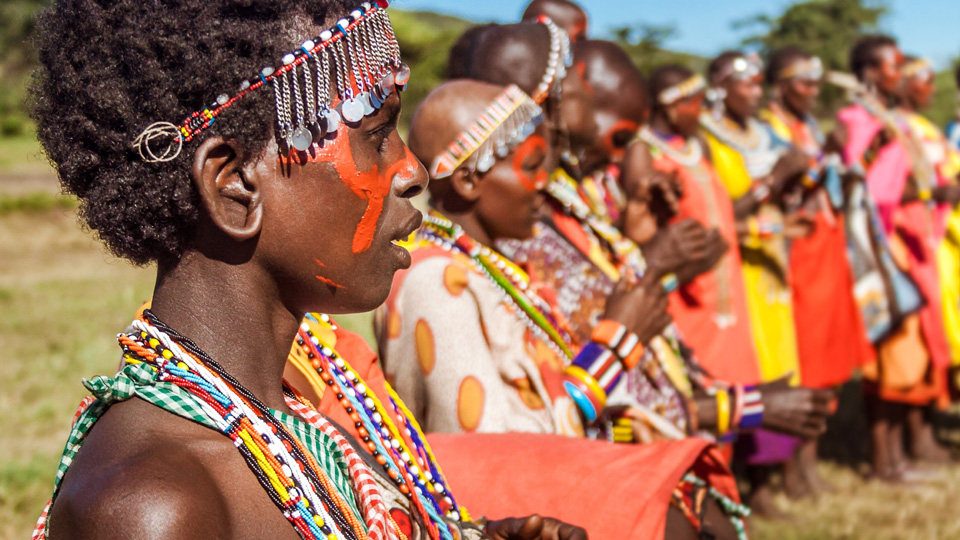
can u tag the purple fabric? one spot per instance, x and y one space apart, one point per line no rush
764 447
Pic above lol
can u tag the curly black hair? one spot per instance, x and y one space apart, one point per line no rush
780 59
110 68
864 52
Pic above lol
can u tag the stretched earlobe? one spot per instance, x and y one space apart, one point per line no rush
229 192
466 184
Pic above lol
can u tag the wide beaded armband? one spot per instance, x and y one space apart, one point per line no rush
624 344
752 416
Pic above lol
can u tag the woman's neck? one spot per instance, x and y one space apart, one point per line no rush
229 312
659 124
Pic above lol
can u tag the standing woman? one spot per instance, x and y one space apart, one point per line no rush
758 169
831 339
251 152
913 356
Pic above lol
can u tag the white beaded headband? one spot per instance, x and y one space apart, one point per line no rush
359 53
504 124
559 60
688 87
810 69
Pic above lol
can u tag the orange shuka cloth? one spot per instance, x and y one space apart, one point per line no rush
727 352
614 491
581 481
831 338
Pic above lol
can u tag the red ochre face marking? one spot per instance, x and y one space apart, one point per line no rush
327 280
369 185
455 279
426 354
521 155
470 401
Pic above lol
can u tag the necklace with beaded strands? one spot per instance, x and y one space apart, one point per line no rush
286 470
404 466
532 310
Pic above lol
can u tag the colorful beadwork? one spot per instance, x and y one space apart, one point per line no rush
285 469
752 417
505 123
682 90
405 466
558 62
808 69
625 344
306 115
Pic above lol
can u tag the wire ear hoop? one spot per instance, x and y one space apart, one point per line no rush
151 152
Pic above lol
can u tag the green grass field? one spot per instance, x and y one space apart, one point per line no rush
63 299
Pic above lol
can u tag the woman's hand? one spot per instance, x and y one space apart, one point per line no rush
641 307
797 411
533 528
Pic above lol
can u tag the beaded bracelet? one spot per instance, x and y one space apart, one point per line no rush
752 417
760 192
625 344
737 400
594 373
669 283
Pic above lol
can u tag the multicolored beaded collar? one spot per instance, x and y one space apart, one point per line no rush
359 53
505 123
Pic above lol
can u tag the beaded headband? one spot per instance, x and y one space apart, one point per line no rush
695 83
505 123
306 115
809 69
918 68
741 68
560 59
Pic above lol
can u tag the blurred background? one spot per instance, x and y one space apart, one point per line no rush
63 298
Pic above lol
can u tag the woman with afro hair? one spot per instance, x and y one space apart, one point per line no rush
249 149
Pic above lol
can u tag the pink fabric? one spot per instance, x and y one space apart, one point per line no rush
614 491
913 222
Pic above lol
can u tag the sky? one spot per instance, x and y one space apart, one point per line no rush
929 28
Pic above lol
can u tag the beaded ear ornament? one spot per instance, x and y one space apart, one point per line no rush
358 59
505 123
682 90
560 59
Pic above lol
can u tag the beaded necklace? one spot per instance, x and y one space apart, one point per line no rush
532 310
403 465
689 156
744 141
285 469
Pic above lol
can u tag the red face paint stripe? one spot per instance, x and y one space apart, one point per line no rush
522 152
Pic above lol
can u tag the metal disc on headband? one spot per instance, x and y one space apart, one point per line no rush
352 110
332 120
301 138
366 99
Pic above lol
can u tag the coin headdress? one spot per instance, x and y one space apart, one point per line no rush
505 123
358 60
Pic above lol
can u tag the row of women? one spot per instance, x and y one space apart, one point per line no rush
616 289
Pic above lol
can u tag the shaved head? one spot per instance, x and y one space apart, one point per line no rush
618 85
565 13
445 113
504 54
621 102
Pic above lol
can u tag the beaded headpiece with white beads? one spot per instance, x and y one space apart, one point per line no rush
682 90
358 59
809 69
559 60
505 123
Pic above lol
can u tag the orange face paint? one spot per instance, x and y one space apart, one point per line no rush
538 180
368 185
611 143
326 280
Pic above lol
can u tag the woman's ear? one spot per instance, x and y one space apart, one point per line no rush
230 193
466 184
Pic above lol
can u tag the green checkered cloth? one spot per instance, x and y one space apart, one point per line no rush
141 380
328 456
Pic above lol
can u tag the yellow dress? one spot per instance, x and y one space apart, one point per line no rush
947 161
764 272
